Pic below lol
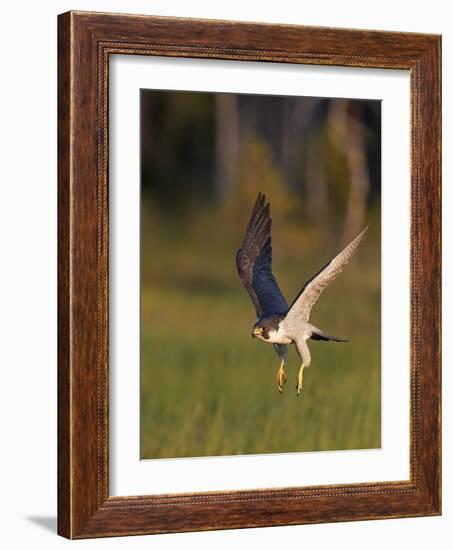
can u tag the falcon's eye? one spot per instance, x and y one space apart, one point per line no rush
262 329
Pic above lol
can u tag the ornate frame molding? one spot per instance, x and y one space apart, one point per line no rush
85 41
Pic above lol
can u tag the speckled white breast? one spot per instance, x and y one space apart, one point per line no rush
278 337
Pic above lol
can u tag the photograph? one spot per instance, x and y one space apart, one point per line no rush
251 207
249 282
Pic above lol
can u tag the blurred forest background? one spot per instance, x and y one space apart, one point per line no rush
207 388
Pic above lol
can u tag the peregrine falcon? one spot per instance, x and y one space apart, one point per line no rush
276 322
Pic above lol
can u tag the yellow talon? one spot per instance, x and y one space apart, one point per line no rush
281 377
300 380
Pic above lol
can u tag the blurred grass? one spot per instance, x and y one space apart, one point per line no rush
207 388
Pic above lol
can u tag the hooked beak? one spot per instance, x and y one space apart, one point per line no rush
256 331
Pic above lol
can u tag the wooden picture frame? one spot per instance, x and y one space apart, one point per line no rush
85 42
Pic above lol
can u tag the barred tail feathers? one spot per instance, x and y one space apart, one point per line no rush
318 334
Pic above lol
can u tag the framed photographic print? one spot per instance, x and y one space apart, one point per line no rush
249 275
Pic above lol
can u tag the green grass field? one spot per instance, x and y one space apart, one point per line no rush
208 388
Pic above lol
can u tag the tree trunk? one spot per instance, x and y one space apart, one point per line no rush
227 141
353 136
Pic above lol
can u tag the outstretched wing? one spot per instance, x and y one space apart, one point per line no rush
301 307
254 262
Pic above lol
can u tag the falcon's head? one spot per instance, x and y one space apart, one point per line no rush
266 327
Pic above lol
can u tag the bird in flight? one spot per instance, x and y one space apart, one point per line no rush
276 322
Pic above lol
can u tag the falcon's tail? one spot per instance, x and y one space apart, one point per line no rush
318 334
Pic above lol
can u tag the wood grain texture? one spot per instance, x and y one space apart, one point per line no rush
86 40
64 390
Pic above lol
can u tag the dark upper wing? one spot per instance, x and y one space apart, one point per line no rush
254 262
301 307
